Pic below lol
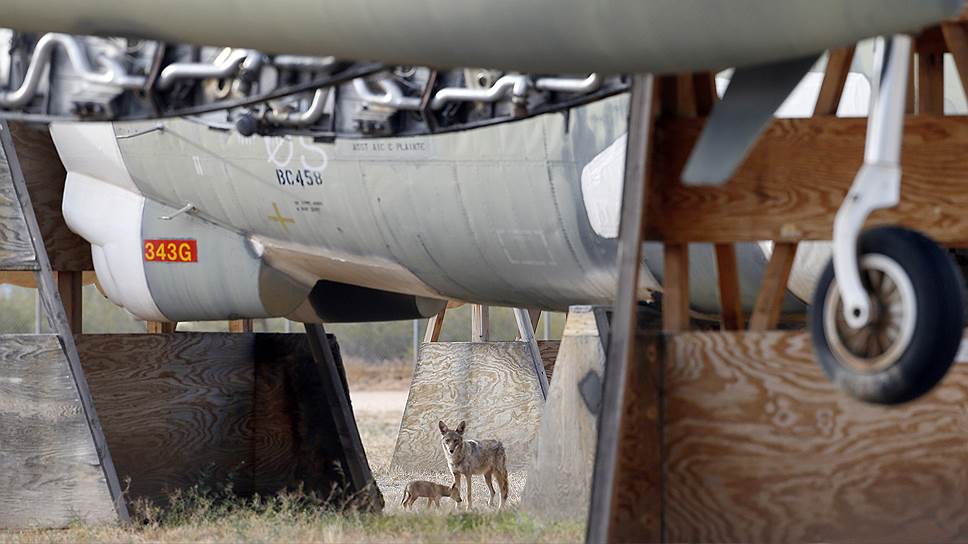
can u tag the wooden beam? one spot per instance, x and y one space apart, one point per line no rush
480 323
956 38
834 80
240 325
535 316
769 302
606 516
730 299
434 326
675 288
911 107
161 327
931 73
704 86
795 179
526 333
69 285
335 393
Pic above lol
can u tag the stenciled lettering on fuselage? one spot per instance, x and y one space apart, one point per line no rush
297 161
171 251
409 148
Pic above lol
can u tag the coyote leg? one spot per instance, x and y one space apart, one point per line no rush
490 486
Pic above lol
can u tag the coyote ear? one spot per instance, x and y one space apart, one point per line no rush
443 427
460 428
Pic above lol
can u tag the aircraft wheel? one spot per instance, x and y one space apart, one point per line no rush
917 319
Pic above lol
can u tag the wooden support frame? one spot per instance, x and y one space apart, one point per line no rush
59 323
435 325
161 327
535 316
240 325
526 332
835 78
336 394
623 356
768 199
769 302
730 299
480 323
70 285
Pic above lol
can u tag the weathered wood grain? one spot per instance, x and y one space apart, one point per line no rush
795 179
760 447
560 471
16 249
176 408
45 177
490 385
57 319
213 408
637 513
549 354
49 469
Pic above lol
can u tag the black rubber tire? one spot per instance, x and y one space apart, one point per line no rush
939 293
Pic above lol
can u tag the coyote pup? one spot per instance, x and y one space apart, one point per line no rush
470 457
433 492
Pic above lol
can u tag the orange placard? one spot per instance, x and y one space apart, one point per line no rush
171 251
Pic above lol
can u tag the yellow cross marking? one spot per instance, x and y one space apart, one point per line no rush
281 219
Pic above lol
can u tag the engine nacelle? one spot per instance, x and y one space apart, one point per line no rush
179 268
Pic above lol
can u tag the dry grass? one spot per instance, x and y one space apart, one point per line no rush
207 517
389 375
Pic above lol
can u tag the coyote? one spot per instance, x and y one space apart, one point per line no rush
433 492
470 457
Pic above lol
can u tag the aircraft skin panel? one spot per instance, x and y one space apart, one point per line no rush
495 213
226 279
607 36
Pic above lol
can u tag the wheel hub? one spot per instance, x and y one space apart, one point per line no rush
883 340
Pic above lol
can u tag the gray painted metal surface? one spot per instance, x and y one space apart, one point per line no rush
495 215
607 36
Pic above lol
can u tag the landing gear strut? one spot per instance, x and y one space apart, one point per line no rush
888 327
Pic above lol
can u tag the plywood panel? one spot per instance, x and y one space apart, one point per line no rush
49 468
796 177
762 448
45 177
186 408
560 472
16 249
491 385
173 407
